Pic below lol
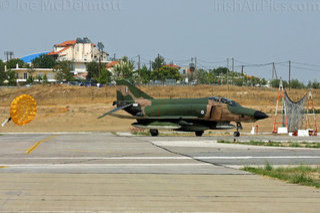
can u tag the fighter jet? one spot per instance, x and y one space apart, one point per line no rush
189 115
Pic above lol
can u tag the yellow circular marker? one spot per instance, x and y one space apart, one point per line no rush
23 109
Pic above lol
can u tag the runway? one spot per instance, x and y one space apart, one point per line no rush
106 153
107 172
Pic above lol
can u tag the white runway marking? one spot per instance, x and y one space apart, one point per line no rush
215 144
167 158
101 165
257 157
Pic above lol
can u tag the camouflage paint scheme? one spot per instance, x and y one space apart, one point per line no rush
182 114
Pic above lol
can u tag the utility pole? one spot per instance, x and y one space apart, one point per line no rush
7 55
232 64
228 63
273 68
139 67
228 79
139 63
232 59
289 74
242 69
195 68
150 65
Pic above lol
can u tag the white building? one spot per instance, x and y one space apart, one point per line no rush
79 52
24 73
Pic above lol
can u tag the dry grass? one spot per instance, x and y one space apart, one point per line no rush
70 108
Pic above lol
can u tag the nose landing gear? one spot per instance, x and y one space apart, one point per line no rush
237 133
154 132
199 133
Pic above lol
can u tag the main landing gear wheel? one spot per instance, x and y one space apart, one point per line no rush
199 133
237 133
154 132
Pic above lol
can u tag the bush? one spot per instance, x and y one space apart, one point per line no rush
268 167
314 85
276 82
296 84
164 73
12 78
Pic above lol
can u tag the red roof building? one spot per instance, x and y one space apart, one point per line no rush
172 66
111 64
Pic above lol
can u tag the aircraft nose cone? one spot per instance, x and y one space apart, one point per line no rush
260 115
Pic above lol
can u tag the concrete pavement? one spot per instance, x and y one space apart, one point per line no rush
105 172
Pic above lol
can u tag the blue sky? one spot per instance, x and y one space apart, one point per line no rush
253 32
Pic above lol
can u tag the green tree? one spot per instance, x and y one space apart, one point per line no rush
125 59
221 71
3 75
11 64
158 62
124 70
31 74
202 76
276 82
238 81
263 81
30 79
12 78
44 61
93 71
1 65
314 85
213 79
296 84
45 79
39 78
145 74
105 76
63 71
164 73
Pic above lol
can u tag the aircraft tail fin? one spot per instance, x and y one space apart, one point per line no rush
128 92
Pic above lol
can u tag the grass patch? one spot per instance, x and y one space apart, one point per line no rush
276 144
303 175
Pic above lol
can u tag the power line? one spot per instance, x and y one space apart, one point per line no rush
211 62
306 64
246 64
304 68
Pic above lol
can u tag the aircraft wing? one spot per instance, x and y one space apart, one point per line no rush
157 125
114 110
155 118
123 116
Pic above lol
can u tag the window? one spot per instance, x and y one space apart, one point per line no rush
25 75
50 76
224 101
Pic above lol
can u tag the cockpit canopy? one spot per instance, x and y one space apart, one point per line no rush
224 101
